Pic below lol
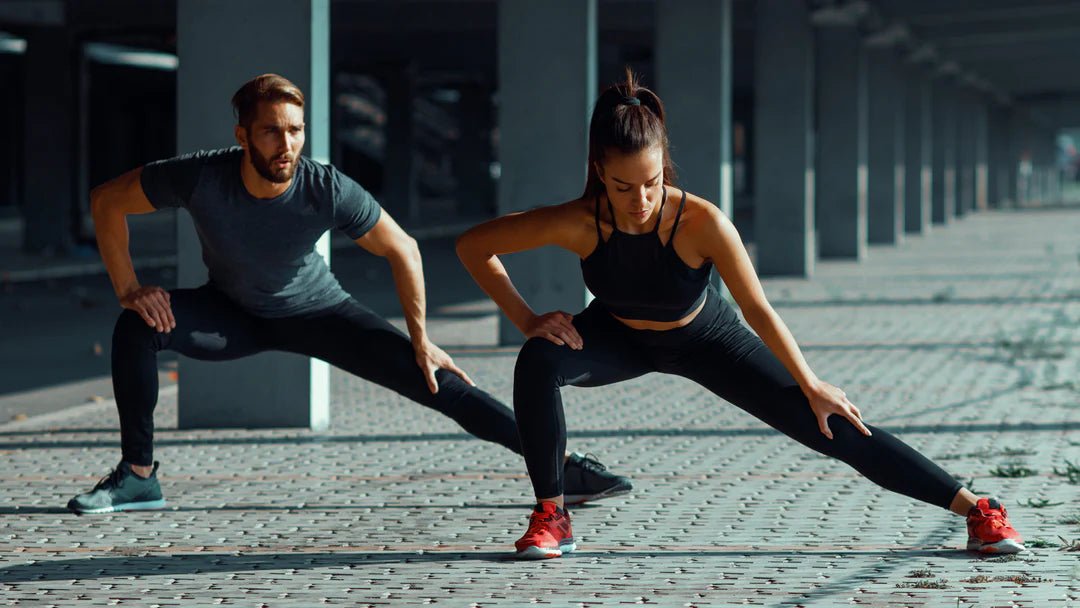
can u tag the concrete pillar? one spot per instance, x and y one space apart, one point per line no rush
885 148
918 145
400 171
472 162
693 71
841 197
1020 139
291 38
965 153
998 165
49 112
543 152
1011 161
981 119
944 156
783 139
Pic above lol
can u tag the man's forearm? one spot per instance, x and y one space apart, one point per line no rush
111 231
408 270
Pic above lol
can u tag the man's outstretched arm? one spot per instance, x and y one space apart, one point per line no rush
386 239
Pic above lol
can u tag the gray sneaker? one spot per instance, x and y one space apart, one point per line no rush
120 490
585 479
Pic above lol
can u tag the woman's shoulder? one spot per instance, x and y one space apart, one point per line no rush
696 209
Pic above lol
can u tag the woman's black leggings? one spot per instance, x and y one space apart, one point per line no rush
210 326
718 352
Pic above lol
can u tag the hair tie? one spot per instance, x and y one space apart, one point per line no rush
631 101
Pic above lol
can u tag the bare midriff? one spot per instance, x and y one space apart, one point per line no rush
661 325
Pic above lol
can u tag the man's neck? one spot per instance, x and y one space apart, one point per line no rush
257 185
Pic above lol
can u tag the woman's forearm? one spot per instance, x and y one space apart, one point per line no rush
776 335
490 274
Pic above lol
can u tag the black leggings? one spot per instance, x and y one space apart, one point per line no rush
718 352
209 326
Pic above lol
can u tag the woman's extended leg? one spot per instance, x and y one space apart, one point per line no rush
758 383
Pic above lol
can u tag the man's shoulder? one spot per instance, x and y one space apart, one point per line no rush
209 156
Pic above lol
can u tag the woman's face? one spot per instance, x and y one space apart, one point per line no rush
634 183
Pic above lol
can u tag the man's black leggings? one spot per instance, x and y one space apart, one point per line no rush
209 326
718 352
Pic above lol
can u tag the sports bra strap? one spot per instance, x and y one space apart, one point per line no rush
678 215
660 214
596 215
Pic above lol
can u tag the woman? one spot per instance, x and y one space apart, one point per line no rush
646 250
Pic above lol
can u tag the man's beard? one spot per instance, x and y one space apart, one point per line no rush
263 166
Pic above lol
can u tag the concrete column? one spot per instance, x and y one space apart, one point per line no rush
918 145
1020 139
291 38
841 197
1011 161
693 70
965 153
472 162
400 171
543 153
885 148
998 179
783 139
981 119
944 156
50 109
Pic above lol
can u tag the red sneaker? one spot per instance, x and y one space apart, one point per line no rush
989 530
549 534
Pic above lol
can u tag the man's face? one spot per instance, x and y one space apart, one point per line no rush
274 140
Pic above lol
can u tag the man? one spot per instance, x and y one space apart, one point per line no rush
259 209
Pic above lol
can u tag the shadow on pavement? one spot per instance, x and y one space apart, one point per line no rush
212 563
961 428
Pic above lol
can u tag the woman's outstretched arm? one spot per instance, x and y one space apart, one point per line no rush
717 240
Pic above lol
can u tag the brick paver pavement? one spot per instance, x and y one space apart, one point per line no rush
963 342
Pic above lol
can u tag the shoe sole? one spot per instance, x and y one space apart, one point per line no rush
146 505
577 499
1007 545
534 552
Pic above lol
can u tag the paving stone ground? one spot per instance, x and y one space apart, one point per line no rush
962 342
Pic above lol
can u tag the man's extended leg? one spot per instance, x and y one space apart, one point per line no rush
355 339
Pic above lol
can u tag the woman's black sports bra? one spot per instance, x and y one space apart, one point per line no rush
635 276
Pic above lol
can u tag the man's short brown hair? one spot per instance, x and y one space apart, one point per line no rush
267 87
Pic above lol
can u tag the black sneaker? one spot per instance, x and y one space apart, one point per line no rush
584 479
120 490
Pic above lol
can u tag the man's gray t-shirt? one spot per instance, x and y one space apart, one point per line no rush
261 252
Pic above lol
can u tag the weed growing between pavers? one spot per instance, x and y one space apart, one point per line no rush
941 583
1071 520
1040 503
1071 471
990 453
1013 470
1019 579
920 574
1028 349
1040 543
1069 545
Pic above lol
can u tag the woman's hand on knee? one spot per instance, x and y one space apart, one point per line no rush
557 327
827 400
153 305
